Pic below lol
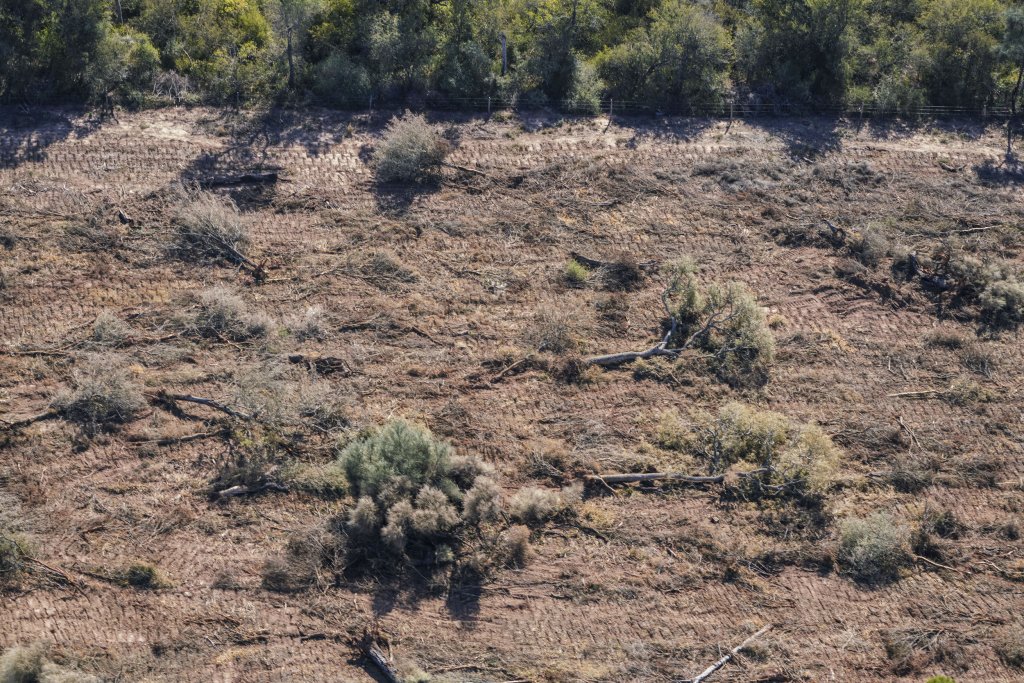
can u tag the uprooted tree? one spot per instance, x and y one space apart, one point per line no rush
724 322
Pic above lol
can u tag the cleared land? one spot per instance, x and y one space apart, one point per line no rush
427 297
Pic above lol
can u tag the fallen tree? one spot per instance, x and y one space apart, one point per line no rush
724 322
706 673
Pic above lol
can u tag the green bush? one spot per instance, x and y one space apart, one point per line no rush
576 274
873 549
725 322
14 554
411 150
414 494
798 459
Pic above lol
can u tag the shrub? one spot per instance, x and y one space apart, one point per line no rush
1002 302
309 326
14 554
576 274
723 321
873 549
23 664
141 575
515 542
109 330
411 150
104 395
220 313
553 329
1010 645
535 505
869 246
399 455
209 229
482 503
796 459
414 494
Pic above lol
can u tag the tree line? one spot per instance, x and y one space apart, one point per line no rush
670 55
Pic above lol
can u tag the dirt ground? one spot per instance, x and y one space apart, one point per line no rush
658 581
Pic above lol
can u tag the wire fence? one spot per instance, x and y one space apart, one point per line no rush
612 106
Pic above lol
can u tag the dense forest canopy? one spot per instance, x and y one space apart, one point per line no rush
672 55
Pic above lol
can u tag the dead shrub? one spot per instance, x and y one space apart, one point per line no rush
411 150
1009 645
554 329
221 313
915 649
142 575
532 505
31 664
873 549
109 330
310 326
105 394
209 229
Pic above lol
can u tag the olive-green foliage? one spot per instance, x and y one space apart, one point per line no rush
413 493
14 554
874 548
725 321
797 459
672 55
410 150
679 60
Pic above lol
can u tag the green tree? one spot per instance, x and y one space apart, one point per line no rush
798 49
960 50
1012 50
681 59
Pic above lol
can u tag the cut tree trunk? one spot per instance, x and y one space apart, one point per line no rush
706 673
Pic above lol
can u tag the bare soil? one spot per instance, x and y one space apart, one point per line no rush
673 575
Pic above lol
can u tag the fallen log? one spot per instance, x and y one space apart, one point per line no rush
167 398
376 656
632 478
654 476
234 491
706 673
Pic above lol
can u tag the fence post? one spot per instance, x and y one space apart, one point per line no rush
488 105
611 107
371 103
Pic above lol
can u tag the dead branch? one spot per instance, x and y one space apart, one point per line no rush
173 440
922 392
609 479
497 378
631 478
704 675
162 397
234 491
594 264
322 365
936 564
